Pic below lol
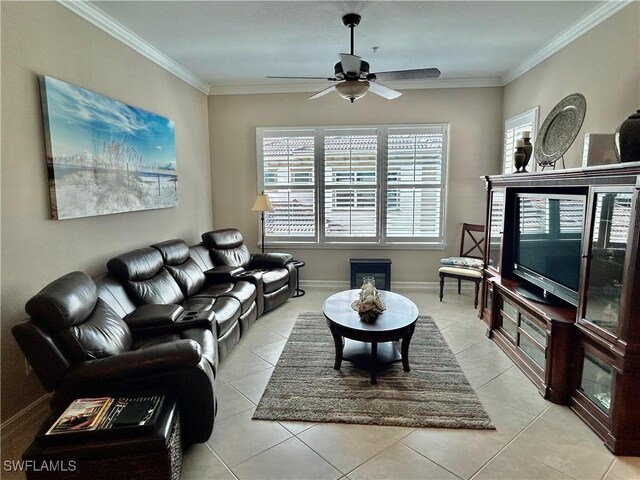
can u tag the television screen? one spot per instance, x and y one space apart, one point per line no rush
549 242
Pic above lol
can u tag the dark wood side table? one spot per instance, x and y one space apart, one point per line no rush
370 345
298 264
152 452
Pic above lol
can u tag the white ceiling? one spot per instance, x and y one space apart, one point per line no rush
234 45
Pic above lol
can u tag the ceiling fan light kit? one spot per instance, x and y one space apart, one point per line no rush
354 78
352 89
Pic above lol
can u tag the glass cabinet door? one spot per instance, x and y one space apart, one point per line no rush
496 228
596 381
607 256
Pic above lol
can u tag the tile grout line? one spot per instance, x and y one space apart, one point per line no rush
429 459
513 440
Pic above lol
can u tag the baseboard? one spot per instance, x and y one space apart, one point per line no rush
413 286
36 412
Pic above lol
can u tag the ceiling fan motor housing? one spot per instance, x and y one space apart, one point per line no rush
339 73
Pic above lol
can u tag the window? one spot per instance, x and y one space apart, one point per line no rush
373 185
513 128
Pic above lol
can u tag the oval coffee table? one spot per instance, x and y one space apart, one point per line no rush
370 345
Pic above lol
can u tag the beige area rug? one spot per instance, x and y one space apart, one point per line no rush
305 387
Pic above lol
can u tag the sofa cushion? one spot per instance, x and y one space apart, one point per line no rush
245 293
143 275
275 279
174 252
65 302
226 247
189 276
112 291
200 254
177 261
227 310
103 334
137 265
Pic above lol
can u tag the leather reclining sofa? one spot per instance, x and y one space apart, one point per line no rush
161 319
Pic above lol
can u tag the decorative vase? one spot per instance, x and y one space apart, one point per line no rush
629 139
518 159
528 149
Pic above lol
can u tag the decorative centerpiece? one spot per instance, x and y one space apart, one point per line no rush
369 304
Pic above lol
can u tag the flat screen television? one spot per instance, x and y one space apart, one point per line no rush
548 245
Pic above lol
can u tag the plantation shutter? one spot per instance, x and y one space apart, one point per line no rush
350 184
415 182
289 179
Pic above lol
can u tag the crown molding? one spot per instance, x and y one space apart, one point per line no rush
110 26
315 87
578 29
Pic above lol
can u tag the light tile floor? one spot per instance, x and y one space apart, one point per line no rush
534 439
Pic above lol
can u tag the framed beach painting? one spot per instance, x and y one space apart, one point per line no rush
104 156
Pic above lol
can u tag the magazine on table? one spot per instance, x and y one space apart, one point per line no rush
83 414
87 414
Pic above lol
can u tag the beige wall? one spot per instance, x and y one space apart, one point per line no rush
603 65
46 38
474 150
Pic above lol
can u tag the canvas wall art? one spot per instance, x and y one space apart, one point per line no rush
104 156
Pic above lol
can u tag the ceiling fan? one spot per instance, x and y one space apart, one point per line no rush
355 80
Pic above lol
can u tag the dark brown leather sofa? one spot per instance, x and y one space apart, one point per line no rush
162 318
79 346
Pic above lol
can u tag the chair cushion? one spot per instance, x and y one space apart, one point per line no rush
463 262
466 272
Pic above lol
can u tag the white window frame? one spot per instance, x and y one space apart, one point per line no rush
517 124
320 240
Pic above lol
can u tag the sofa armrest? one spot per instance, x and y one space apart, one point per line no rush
150 315
223 273
270 260
161 358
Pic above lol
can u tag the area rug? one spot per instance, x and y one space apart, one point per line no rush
305 387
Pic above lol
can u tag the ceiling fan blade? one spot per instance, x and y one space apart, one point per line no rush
383 91
350 63
307 78
418 74
322 93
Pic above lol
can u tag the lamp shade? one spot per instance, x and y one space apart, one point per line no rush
352 89
262 204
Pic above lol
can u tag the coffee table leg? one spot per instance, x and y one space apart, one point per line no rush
405 349
337 340
374 362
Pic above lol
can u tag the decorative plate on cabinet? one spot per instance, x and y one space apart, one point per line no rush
560 129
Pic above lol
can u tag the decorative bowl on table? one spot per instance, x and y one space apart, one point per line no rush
369 305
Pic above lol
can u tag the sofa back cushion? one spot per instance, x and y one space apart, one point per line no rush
184 270
227 247
200 254
81 325
112 291
102 335
67 301
144 277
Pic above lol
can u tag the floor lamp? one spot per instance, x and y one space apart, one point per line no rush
262 204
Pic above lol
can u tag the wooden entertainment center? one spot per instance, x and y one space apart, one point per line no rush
571 236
